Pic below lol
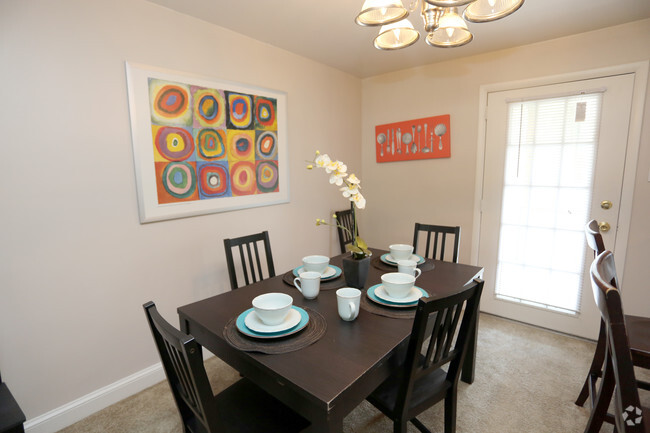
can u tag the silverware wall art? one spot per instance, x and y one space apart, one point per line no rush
425 138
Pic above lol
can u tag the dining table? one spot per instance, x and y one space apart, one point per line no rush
329 377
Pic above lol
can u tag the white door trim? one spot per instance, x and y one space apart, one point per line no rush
640 71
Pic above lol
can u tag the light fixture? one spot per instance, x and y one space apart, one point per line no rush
442 23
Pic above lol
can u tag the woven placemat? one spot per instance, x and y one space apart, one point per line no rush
332 284
377 263
314 330
394 313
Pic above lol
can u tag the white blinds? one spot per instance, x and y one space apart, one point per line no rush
550 159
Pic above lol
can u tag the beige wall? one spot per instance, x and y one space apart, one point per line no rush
76 264
442 191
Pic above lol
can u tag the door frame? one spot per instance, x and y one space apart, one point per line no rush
640 71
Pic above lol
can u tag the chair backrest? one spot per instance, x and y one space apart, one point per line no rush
250 258
627 412
345 218
448 341
183 363
436 250
594 238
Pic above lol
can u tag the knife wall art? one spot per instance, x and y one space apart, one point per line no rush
424 138
203 146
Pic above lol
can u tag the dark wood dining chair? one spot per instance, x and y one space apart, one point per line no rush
618 370
250 258
421 381
242 407
11 415
436 250
345 218
638 328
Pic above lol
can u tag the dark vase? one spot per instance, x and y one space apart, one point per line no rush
356 271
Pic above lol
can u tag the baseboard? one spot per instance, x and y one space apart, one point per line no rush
79 409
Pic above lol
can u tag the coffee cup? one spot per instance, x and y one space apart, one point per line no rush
409 267
272 308
397 284
348 300
315 263
308 283
401 251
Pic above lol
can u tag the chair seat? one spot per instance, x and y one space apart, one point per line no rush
245 408
638 330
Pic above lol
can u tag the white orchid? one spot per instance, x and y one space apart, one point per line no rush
359 200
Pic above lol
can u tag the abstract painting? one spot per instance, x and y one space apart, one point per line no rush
203 146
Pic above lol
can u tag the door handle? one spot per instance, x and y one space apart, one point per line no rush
606 204
604 226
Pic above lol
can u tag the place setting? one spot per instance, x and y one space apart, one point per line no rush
275 325
396 296
400 252
329 274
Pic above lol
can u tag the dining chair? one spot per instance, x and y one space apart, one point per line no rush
250 258
421 381
437 250
639 335
618 371
345 218
11 415
242 407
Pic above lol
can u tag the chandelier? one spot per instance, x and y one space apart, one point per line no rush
444 26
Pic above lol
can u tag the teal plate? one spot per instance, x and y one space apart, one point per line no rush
241 326
337 272
373 297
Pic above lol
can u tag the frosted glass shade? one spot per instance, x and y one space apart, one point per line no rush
448 3
396 35
482 11
452 31
381 12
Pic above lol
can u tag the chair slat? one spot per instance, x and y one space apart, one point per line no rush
436 249
250 258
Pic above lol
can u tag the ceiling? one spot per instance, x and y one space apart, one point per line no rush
326 31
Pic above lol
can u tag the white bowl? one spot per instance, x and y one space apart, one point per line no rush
397 284
315 263
401 251
272 308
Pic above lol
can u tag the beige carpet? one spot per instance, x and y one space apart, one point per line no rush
526 382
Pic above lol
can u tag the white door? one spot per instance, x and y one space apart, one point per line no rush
552 155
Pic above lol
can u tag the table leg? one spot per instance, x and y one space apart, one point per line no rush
469 364
326 424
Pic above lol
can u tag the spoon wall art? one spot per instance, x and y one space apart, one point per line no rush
427 138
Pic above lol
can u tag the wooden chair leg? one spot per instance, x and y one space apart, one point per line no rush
595 370
599 411
399 426
450 411
418 424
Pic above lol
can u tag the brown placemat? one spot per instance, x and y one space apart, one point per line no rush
395 313
377 263
314 330
335 283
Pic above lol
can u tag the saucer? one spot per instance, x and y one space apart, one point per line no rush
249 323
397 303
389 260
330 273
413 295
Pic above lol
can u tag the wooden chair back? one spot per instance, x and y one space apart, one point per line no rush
345 218
250 258
618 364
436 250
183 364
594 238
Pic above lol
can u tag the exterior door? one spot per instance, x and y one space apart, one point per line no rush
554 159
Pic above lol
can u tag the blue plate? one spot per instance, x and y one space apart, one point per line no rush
337 272
241 325
373 297
389 261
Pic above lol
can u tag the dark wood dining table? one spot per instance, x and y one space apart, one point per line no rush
329 378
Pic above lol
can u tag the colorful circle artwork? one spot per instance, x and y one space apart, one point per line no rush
266 145
240 110
265 113
240 145
211 143
209 108
213 180
242 178
267 176
179 179
174 144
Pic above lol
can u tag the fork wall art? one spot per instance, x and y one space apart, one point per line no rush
425 138
203 146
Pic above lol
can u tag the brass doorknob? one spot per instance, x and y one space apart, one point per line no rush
603 226
606 204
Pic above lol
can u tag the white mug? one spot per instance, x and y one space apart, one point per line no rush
308 283
348 300
409 267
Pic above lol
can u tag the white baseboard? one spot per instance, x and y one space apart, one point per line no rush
79 409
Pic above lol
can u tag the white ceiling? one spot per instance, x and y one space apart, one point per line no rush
325 30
